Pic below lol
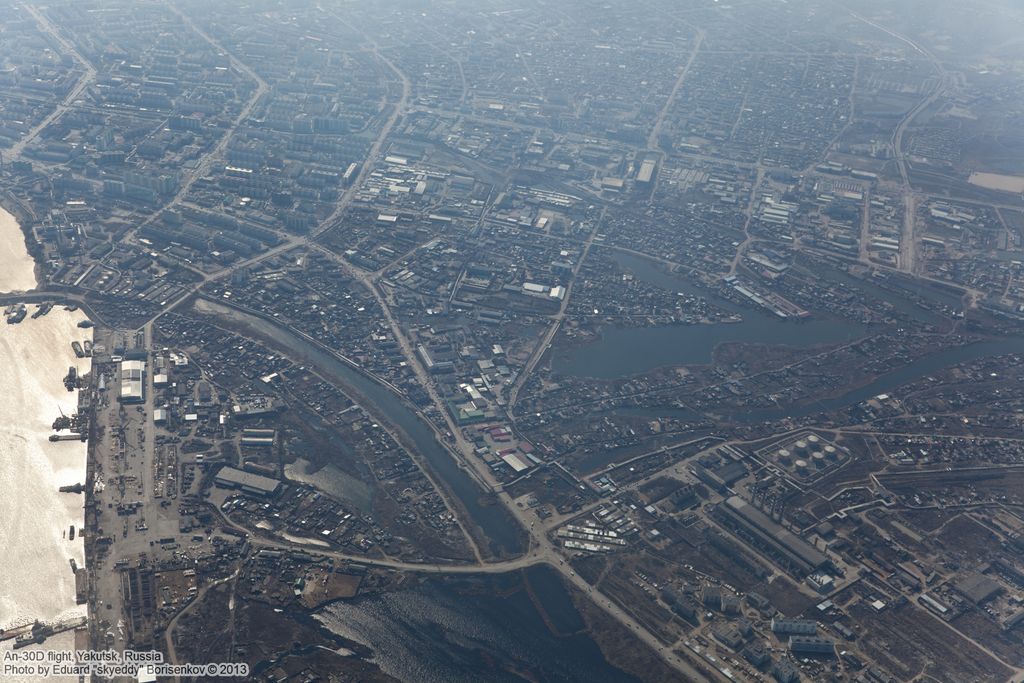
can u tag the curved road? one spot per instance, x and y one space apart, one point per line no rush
907 249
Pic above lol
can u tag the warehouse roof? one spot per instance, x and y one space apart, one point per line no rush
247 481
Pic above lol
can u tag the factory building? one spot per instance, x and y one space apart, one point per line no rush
977 587
646 173
433 366
258 438
515 462
133 381
787 548
1013 620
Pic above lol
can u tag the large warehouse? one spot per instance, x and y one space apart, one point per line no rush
247 482
133 381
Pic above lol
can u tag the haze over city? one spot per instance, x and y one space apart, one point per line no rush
512 340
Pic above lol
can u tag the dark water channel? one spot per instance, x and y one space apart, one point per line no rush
623 352
500 528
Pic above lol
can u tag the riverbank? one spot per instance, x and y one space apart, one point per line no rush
25 219
35 519
17 267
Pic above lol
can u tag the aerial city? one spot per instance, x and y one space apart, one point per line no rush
443 341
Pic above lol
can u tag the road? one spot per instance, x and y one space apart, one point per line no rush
541 348
751 207
865 229
652 139
544 553
908 249
149 431
172 654
465 448
375 148
292 241
643 456
217 152
540 549
384 423
83 82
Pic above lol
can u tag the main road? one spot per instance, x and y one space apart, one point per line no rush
652 139
83 82
908 248
217 152
556 323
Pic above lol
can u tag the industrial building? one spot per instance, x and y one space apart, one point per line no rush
515 462
432 365
977 587
787 548
1014 619
258 438
247 482
133 375
722 477
646 172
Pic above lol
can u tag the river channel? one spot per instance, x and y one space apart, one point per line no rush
477 629
691 344
624 351
500 528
